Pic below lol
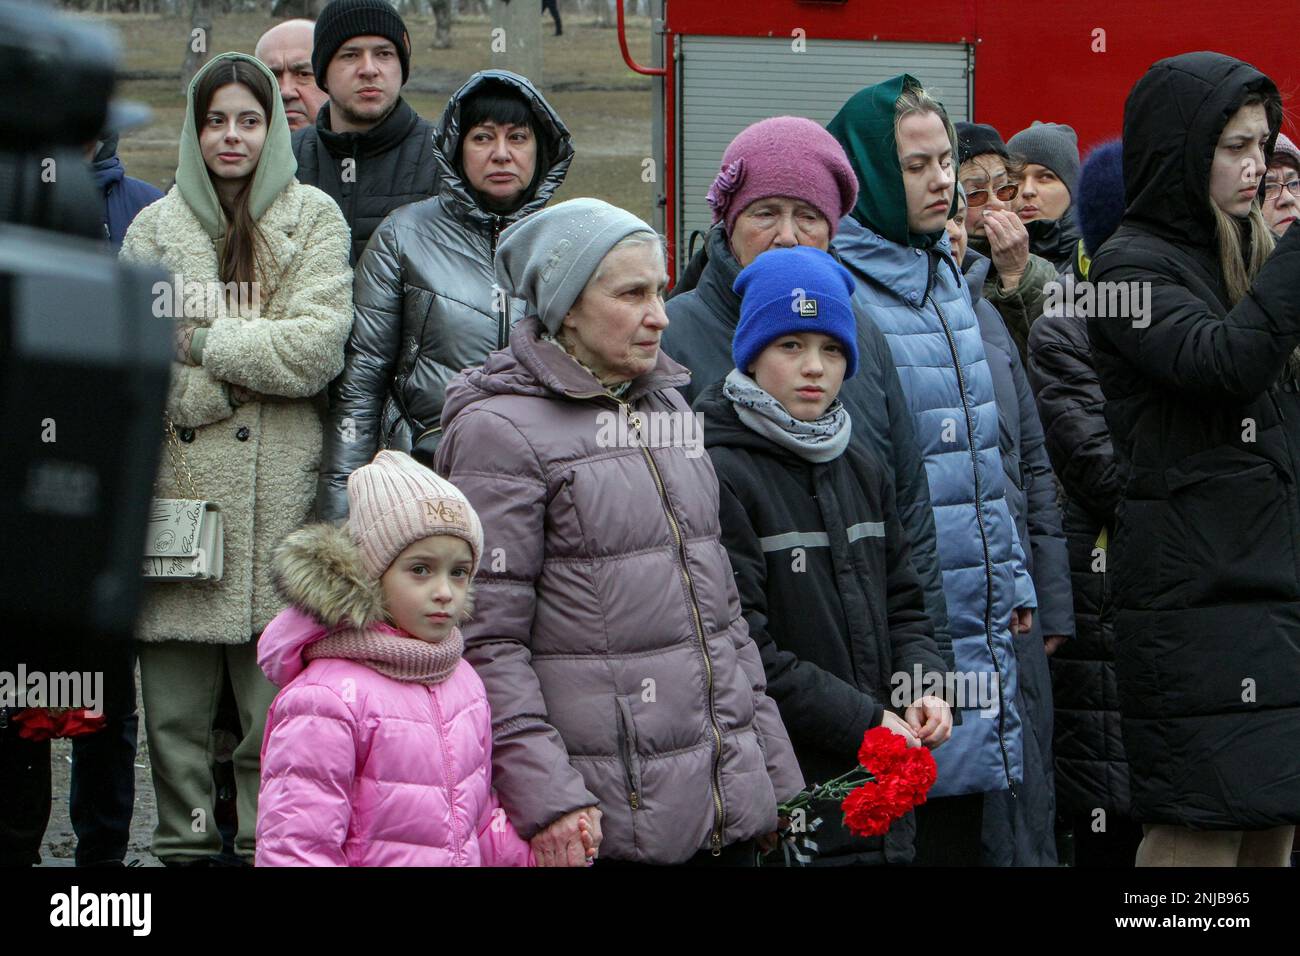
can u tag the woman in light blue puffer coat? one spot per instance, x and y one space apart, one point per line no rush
902 148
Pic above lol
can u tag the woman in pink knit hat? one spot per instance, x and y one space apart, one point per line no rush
378 749
1281 197
784 182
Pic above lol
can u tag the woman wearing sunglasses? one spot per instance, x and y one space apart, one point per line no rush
1016 280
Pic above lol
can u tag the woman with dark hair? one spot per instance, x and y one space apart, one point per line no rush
1203 403
261 264
427 304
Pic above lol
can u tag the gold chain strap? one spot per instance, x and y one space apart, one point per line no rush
176 454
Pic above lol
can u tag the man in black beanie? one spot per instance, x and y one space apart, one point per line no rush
369 150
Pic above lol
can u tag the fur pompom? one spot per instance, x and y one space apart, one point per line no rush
319 569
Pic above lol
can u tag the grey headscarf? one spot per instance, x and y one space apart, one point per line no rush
547 258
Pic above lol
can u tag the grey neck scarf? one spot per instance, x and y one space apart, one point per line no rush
821 440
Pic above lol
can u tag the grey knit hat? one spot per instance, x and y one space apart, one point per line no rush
1053 145
547 258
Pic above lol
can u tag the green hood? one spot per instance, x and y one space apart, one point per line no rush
864 126
275 168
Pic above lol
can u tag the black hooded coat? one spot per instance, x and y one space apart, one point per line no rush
1206 428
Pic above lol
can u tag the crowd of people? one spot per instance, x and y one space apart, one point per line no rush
462 626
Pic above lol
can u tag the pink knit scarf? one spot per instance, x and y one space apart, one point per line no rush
393 653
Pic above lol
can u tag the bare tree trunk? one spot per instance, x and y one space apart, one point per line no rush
198 41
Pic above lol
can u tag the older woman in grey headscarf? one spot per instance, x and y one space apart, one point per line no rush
609 635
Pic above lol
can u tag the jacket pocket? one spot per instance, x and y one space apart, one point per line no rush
627 751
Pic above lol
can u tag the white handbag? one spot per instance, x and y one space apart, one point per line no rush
184 539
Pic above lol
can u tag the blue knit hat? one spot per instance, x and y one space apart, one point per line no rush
785 291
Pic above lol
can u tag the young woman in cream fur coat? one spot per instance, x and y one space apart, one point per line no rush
252 361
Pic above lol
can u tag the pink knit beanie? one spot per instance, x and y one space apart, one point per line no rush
784 156
1286 150
395 501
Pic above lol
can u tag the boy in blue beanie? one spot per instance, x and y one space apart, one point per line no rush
824 570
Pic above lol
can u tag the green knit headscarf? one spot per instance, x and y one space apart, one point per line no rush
864 126
275 168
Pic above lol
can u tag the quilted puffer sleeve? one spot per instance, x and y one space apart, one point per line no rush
1046 539
357 397
1071 407
499 843
916 512
309 757
296 354
490 460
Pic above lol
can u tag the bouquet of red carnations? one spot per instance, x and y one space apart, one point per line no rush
890 779
42 723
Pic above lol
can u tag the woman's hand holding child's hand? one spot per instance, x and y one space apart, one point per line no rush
569 841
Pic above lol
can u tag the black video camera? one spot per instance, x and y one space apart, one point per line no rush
84 364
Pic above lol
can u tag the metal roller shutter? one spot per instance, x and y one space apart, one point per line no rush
729 82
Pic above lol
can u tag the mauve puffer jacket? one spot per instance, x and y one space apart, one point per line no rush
359 769
608 629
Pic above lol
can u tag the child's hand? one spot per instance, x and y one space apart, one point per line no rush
931 720
590 834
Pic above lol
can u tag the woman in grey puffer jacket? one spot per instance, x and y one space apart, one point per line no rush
426 304
608 629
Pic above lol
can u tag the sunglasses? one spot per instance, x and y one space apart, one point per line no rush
979 197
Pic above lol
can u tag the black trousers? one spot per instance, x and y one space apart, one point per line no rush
103 791
24 797
554 7
948 831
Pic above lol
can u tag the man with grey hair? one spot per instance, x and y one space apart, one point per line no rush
286 50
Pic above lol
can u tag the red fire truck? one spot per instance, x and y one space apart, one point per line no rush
719 66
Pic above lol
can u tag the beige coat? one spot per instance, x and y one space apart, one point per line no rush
258 460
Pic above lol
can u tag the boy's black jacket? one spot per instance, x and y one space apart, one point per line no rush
833 620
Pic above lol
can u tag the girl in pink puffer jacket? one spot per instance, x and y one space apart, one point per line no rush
378 749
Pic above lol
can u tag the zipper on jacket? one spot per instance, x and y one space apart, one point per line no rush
503 313
984 541
352 195
715 840
457 845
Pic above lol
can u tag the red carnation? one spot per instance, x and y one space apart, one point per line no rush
78 723
917 774
35 723
869 810
882 750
